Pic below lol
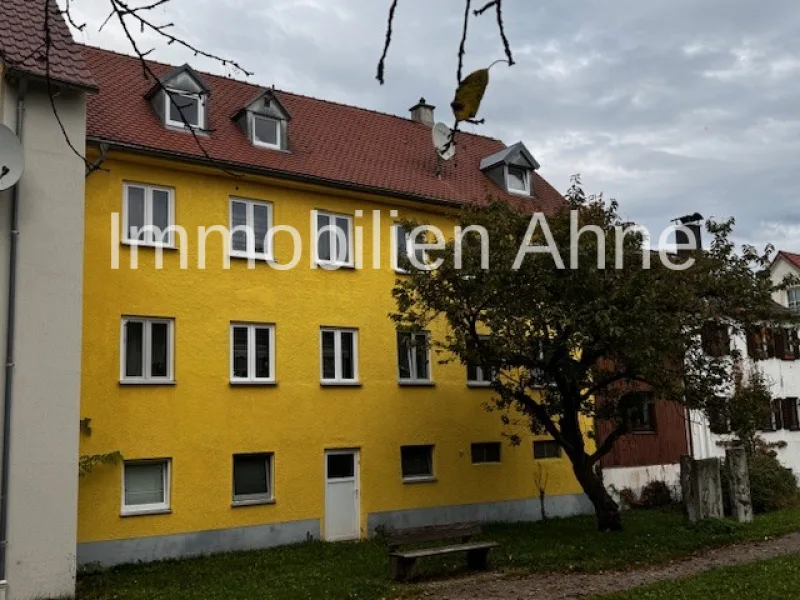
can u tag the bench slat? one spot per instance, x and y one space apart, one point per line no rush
445 550
433 533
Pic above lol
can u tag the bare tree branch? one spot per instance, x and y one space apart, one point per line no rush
462 50
389 24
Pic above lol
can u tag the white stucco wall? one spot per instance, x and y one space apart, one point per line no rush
46 385
784 377
617 479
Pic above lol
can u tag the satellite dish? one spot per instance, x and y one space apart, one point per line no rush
12 163
443 141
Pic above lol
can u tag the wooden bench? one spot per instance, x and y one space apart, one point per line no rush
404 561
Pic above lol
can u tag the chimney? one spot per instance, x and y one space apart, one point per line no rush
422 112
693 238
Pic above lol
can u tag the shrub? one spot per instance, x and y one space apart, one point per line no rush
628 498
772 486
655 494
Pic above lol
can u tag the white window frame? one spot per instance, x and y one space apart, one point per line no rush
148 509
251 499
251 352
397 228
333 262
526 178
201 108
481 381
249 221
147 350
793 306
337 353
419 478
278 131
148 216
412 359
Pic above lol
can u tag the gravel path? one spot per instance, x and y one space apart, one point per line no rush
497 586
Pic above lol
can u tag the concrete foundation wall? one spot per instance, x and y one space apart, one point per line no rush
635 478
46 386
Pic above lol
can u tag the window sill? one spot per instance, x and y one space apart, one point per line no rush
138 244
144 513
147 382
272 383
334 266
413 480
479 385
340 383
270 260
412 383
254 502
520 192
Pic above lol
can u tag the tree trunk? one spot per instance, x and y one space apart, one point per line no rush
605 509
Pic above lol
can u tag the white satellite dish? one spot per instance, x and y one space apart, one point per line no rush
443 141
12 163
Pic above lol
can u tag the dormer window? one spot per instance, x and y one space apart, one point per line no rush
265 121
512 169
518 180
184 109
266 131
180 99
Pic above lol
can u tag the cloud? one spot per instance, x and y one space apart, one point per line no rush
669 106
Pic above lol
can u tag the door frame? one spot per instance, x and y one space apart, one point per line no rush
356 452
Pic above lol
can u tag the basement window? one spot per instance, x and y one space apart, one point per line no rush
145 487
486 452
417 463
252 479
546 449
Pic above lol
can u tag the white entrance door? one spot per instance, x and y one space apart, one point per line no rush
342 514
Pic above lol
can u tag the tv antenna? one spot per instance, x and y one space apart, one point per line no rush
12 163
443 141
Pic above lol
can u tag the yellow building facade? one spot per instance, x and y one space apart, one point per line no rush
265 405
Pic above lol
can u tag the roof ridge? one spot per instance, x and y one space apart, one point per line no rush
283 91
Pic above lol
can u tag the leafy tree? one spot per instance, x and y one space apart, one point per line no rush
559 338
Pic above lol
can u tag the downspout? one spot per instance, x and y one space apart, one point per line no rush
10 334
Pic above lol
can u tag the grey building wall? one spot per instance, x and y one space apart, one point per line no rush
43 490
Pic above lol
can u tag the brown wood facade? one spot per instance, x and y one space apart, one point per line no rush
665 445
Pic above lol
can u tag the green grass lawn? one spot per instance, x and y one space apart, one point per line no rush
316 570
774 579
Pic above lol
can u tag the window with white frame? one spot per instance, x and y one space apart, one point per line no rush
794 299
334 237
250 222
252 353
480 376
413 357
417 463
404 247
148 215
252 478
184 108
266 131
339 355
147 350
145 486
518 180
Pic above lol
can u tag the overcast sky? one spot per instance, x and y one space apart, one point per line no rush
669 106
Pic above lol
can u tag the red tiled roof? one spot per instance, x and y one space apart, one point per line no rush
793 259
22 43
328 142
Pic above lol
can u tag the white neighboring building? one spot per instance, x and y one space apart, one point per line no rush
778 358
44 373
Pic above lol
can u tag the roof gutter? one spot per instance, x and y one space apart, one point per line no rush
11 314
267 172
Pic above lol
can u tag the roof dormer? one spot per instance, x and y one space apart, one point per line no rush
265 121
512 169
181 99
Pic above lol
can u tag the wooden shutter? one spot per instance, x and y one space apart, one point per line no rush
789 414
777 414
752 348
769 342
779 342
